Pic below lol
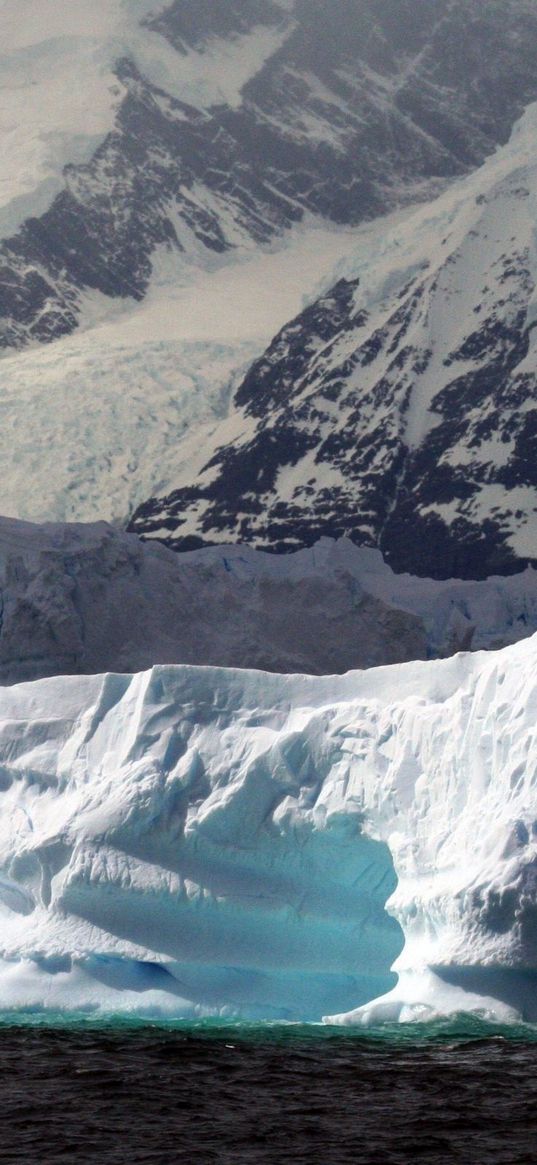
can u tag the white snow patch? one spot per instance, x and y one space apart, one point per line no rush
217 74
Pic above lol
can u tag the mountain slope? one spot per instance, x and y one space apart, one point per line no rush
399 409
389 105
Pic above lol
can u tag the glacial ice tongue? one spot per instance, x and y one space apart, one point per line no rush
206 842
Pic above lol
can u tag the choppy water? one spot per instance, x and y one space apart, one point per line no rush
240 1095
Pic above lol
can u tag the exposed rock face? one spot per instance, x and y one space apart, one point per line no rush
83 599
194 23
362 106
400 409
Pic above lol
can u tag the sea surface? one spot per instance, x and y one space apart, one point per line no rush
125 1092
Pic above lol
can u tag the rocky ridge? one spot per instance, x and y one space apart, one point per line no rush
359 108
400 408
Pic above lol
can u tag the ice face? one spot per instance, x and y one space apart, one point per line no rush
200 841
90 598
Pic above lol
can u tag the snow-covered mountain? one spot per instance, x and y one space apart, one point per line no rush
400 408
258 124
88 599
227 123
209 842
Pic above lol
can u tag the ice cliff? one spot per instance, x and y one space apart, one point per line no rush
197 841
89 598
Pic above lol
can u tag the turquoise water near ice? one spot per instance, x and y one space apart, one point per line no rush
460 1028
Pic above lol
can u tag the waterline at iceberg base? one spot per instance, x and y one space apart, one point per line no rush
192 842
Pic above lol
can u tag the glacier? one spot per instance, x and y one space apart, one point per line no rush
202 842
112 413
79 598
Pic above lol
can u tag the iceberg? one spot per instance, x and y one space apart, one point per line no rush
205 842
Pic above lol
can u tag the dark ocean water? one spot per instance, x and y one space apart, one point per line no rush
242 1095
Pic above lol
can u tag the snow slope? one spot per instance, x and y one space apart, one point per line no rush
207 842
399 409
89 599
